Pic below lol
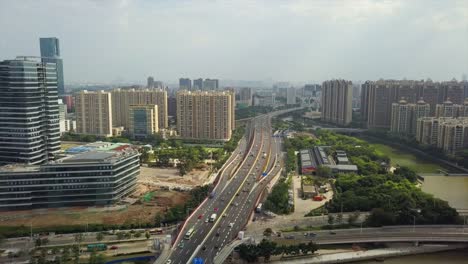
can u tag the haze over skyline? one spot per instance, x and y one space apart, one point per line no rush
104 41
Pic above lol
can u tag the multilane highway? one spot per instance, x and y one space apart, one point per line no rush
243 178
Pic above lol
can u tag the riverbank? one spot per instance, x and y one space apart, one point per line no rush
418 154
374 254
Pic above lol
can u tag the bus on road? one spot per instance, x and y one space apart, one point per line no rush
189 233
96 247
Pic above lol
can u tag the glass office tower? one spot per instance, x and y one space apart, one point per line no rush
29 114
50 52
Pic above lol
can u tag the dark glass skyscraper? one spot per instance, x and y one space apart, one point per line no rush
29 114
50 52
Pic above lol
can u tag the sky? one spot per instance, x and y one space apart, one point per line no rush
298 40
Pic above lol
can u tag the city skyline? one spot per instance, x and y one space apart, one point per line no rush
277 49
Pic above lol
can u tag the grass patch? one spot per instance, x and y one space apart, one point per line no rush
402 158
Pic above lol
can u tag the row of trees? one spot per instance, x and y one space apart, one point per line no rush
278 200
266 249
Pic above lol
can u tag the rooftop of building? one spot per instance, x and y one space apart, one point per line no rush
105 152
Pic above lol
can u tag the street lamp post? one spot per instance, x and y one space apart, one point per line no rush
414 223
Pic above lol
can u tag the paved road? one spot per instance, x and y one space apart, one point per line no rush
384 234
240 184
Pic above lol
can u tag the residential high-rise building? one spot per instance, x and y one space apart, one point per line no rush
427 130
447 109
205 114
143 120
421 110
453 135
185 84
210 84
198 84
62 116
401 117
29 113
68 101
291 96
405 116
150 82
337 102
447 133
172 106
94 113
123 98
50 52
454 91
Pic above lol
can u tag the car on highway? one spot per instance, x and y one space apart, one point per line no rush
181 244
168 261
217 234
200 216
114 247
224 215
231 225
236 204
289 237
332 233
207 220
216 209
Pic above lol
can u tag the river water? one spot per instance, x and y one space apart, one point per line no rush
453 189
452 257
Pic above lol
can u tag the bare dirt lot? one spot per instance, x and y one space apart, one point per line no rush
138 213
169 177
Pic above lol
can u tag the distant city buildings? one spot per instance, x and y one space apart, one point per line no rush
29 112
264 99
69 102
198 84
150 82
50 52
123 98
205 114
291 96
337 102
185 84
244 97
94 113
143 120
210 84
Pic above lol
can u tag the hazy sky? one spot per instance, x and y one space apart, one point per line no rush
108 40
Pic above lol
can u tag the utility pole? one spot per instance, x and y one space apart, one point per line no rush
414 223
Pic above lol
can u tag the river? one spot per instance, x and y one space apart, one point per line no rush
453 189
452 257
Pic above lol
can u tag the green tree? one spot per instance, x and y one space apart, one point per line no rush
324 171
268 231
331 219
99 236
147 235
352 218
266 249
138 234
120 235
38 242
78 238
339 218
128 235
